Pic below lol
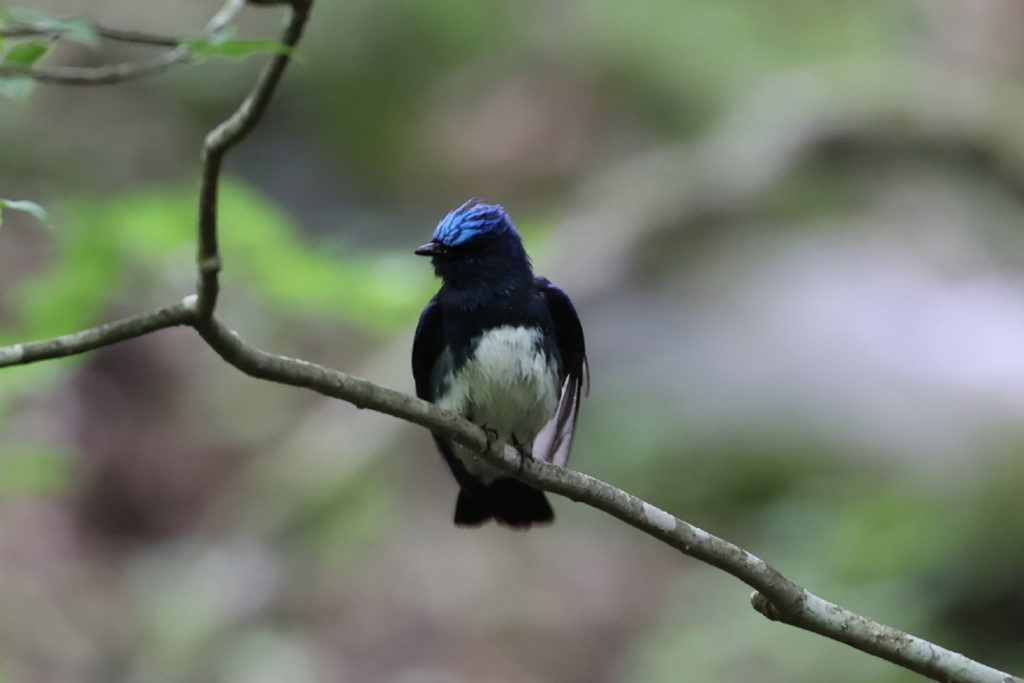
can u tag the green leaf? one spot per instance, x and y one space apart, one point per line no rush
207 47
26 206
74 29
26 54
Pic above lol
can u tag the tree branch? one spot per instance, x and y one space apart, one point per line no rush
127 71
777 597
217 144
100 75
119 35
136 37
96 337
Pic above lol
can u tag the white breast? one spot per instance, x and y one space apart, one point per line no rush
507 385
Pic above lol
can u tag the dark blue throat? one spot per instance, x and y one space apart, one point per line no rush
491 273
491 285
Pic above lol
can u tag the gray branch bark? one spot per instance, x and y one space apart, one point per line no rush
101 75
776 597
115 34
96 337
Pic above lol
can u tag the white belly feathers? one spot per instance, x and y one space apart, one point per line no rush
506 386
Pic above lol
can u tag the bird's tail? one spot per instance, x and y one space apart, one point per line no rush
507 501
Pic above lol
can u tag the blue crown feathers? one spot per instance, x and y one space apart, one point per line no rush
470 220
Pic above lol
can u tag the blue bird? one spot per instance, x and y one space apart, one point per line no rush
504 349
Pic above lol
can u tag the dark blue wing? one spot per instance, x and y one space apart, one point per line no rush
427 348
429 359
555 441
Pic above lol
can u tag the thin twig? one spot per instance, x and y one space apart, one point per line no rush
116 34
136 37
96 337
100 75
217 144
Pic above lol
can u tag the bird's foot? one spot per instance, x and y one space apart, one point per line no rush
491 434
521 450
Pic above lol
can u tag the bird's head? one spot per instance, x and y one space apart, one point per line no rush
476 242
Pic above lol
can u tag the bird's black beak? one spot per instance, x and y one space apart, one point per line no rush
430 249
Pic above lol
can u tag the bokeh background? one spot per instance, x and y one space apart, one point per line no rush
794 232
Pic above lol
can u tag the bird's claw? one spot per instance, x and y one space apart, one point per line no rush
491 434
523 455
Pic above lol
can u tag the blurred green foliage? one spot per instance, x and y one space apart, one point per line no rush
106 246
32 471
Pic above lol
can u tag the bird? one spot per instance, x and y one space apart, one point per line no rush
503 348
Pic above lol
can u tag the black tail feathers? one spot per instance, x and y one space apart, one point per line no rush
507 501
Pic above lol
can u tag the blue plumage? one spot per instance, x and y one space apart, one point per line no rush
471 220
505 349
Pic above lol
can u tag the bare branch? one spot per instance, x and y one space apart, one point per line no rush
100 75
137 37
104 335
119 35
777 597
926 658
223 138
